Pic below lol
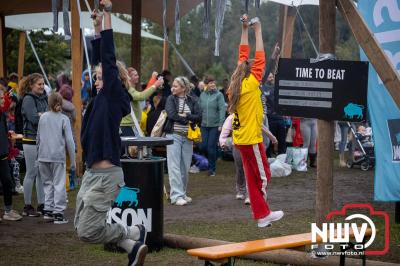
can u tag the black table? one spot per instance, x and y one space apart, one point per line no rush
144 144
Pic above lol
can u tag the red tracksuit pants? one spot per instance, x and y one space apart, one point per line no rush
256 169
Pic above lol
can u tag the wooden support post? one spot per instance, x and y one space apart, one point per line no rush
165 62
324 193
2 46
21 54
287 19
397 212
366 39
136 30
281 25
76 80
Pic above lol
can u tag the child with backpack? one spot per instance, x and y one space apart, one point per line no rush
53 135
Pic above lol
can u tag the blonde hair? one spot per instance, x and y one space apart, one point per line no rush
55 102
241 72
122 73
156 100
184 82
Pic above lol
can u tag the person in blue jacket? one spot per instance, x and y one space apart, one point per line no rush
101 145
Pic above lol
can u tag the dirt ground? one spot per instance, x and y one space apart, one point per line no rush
293 194
213 204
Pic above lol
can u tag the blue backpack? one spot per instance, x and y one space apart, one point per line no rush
200 161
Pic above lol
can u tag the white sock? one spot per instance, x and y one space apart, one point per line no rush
126 244
133 232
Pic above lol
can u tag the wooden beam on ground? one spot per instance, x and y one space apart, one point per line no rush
76 58
21 54
282 256
287 24
366 39
136 29
165 61
2 47
324 186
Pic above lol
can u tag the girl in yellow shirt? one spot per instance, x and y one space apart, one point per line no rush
245 103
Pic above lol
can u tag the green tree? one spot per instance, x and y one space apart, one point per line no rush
52 50
218 71
197 51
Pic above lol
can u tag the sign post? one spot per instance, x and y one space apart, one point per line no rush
329 90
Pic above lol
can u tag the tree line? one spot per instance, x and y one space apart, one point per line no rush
54 51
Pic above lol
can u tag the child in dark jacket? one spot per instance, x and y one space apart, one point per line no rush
101 145
5 177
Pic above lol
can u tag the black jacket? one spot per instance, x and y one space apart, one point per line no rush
171 107
269 92
32 105
100 127
3 136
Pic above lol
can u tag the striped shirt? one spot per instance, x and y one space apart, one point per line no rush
182 108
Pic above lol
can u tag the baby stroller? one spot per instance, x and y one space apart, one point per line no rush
363 152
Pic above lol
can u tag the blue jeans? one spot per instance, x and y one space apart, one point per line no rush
179 157
209 136
344 129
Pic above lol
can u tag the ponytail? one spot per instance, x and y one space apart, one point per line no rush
55 102
241 72
123 74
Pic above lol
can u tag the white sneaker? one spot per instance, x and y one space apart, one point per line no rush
180 202
272 217
12 216
240 196
19 189
194 169
247 201
188 199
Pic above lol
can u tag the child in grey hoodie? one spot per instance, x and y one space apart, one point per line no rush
53 135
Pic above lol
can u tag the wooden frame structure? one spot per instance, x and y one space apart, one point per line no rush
139 9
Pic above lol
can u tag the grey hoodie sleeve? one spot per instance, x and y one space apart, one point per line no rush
69 141
29 110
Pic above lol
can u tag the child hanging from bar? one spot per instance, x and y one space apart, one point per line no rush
101 145
245 103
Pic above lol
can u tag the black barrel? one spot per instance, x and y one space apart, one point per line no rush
140 201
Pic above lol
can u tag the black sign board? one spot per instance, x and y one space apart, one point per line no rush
329 90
